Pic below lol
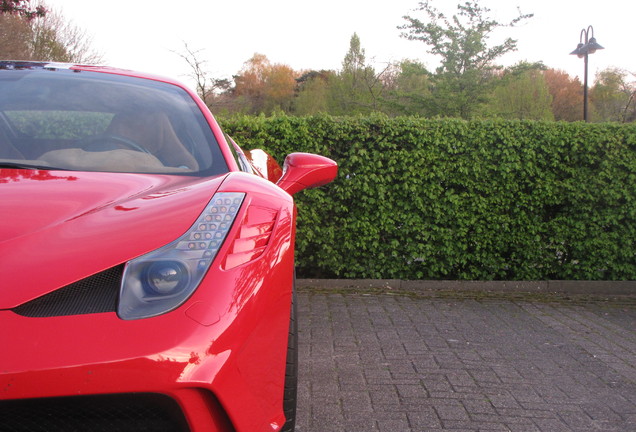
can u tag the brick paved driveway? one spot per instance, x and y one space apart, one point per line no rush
400 363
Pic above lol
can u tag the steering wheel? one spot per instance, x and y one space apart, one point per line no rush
107 142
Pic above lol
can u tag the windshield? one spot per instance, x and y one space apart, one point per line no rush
90 121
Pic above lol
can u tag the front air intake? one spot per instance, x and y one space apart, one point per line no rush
95 294
141 412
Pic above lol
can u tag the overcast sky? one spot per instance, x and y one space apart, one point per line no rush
142 34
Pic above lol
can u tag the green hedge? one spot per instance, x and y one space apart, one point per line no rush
451 199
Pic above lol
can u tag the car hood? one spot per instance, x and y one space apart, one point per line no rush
59 227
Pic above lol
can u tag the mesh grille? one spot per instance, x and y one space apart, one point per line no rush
94 294
110 413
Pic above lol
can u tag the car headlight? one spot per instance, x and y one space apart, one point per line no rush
163 279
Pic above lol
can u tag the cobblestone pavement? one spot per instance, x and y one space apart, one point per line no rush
401 363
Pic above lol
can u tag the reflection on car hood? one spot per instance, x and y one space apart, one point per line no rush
59 227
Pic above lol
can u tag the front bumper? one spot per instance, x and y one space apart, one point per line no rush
206 363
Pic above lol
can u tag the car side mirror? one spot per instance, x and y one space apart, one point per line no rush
306 170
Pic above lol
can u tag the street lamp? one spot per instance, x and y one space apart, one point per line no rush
587 45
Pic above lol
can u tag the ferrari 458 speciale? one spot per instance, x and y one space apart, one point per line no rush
147 261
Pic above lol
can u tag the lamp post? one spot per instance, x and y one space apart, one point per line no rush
587 45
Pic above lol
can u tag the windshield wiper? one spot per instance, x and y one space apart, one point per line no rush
19 165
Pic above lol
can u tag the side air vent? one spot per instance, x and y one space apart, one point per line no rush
252 240
95 294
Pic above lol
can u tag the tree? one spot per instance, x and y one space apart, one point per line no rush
45 36
463 80
612 97
280 88
522 93
206 86
313 93
408 89
249 84
567 95
16 35
262 87
57 39
354 60
22 8
357 88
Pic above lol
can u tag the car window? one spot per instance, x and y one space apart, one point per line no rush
241 160
83 120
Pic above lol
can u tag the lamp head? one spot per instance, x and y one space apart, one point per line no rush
580 50
593 46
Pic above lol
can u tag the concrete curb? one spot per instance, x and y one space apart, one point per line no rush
558 286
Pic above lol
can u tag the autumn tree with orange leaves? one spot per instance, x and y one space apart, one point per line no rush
263 87
567 95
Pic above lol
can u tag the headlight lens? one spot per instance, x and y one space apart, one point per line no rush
161 280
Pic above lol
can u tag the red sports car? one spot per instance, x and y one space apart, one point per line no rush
147 261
